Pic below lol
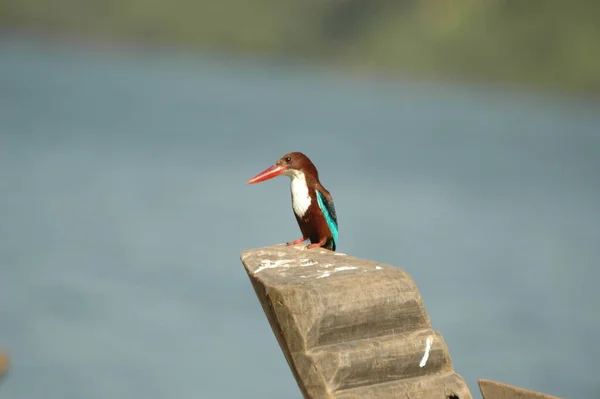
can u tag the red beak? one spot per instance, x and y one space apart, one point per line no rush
267 174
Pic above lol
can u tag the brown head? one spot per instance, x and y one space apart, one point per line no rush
291 164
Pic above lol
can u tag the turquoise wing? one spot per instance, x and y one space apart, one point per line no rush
328 210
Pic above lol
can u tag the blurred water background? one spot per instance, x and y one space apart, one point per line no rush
123 209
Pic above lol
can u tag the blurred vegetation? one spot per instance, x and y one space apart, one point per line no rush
551 43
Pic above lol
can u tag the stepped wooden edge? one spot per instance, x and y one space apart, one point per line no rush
351 328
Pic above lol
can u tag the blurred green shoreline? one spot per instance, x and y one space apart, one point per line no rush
549 44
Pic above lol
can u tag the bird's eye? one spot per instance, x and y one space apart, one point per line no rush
288 159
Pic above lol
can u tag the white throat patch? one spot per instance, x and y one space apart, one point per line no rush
300 198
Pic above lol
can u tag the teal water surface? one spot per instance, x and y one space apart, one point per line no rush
124 211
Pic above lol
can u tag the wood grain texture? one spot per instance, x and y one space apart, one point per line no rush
496 390
351 328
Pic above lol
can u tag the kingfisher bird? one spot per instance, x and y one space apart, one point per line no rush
311 202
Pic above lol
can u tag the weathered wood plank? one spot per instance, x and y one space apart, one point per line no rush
443 386
3 363
351 328
496 390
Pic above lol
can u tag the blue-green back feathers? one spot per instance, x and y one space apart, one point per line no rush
328 210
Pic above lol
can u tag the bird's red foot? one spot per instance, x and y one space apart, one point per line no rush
296 242
316 244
